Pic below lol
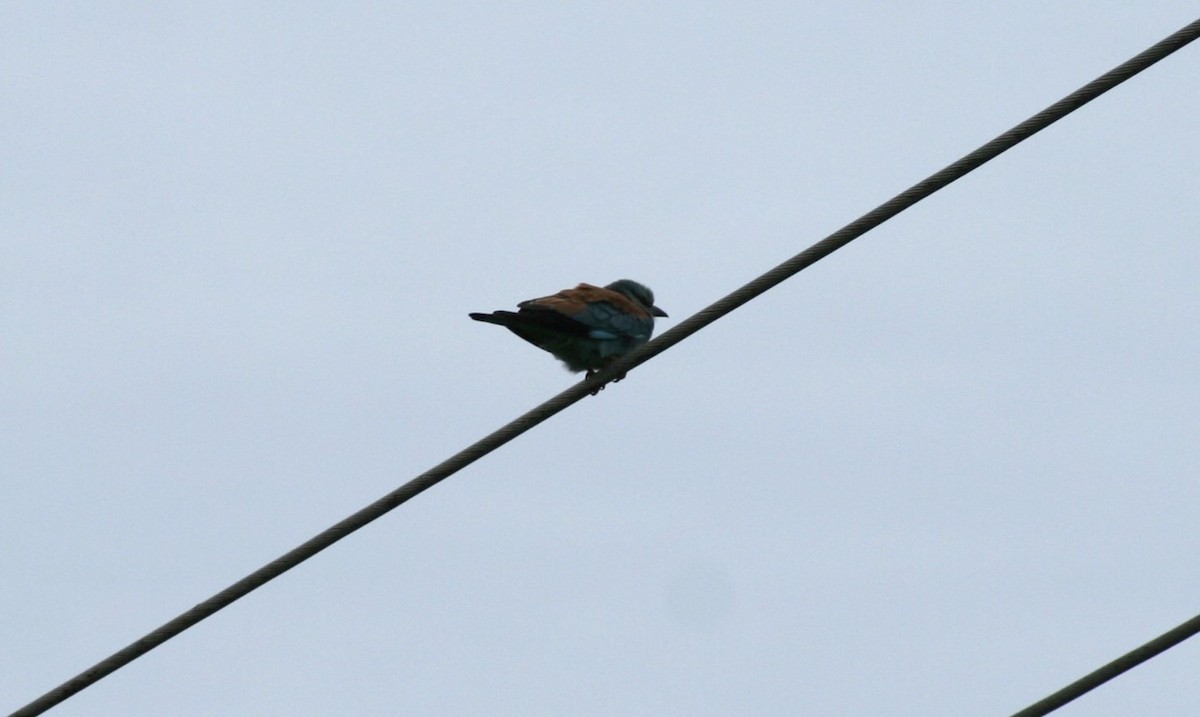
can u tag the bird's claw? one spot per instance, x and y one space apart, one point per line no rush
592 372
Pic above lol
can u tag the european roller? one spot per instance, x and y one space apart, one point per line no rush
587 327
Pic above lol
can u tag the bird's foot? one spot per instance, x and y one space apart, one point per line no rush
599 389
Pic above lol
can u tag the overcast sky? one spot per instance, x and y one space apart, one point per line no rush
946 471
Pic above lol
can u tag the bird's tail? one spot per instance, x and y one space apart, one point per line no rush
500 318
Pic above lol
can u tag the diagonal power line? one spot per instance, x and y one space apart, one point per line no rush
686 328
1117 667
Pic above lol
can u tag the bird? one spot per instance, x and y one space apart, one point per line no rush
587 327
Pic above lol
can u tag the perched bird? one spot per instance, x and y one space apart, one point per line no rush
587 327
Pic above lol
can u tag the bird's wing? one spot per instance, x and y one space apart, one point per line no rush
574 301
607 314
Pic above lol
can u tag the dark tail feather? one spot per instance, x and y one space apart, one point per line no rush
500 318
530 323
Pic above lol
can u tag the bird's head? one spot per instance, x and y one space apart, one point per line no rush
640 293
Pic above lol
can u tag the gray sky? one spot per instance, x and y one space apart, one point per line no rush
944 472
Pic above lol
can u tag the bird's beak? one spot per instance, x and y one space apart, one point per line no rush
657 311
